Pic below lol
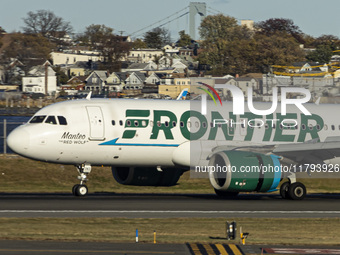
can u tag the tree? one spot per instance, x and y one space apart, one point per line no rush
330 40
94 35
222 37
184 40
157 38
139 44
62 78
322 54
46 23
276 50
27 47
284 26
111 46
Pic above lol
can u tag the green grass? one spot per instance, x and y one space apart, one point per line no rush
174 230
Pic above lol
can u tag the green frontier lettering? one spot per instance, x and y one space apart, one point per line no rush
277 127
135 123
168 118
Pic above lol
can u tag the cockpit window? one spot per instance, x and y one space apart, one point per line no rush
51 120
38 119
62 120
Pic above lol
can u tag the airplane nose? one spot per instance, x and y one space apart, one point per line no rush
18 141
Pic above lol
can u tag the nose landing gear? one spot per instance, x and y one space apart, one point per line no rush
81 189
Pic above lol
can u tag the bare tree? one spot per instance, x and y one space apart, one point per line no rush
46 23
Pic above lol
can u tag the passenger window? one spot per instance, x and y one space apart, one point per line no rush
121 122
51 120
62 120
113 122
38 119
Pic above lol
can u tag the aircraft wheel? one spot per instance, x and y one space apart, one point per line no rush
284 190
297 191
226 194
81 190
74 189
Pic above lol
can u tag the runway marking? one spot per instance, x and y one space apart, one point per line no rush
209 249
214 249
221 249
301 251
235 249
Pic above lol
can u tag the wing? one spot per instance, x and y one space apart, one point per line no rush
311 152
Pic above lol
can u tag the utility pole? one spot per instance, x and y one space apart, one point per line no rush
46 77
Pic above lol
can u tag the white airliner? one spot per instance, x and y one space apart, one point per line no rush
152 142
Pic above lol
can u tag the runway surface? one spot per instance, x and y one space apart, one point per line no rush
166 206
21 247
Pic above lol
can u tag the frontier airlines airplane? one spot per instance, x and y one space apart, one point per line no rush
152 142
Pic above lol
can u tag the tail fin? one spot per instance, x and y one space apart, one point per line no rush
88 97
182 94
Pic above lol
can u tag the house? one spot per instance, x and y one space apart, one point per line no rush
305 67
82 68
11 71
244 83
70 58
135 80
179 66
76 83
116 81
35 81
96 81
137 67
154 78
143 55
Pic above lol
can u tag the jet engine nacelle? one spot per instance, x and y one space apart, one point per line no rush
243 171
146 176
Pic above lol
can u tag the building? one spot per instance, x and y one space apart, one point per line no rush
116 81
135 80
144 55
35 81
70 58
95 82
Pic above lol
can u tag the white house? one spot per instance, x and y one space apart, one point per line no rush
135 81
63 58
34 82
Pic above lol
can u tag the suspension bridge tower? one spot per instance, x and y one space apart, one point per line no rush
195 8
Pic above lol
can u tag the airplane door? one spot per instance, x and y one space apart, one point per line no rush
96 122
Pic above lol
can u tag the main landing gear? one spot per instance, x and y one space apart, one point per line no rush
292 189
81 189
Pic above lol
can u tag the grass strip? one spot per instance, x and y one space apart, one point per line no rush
293 231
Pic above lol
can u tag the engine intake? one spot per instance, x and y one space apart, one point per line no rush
237 171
